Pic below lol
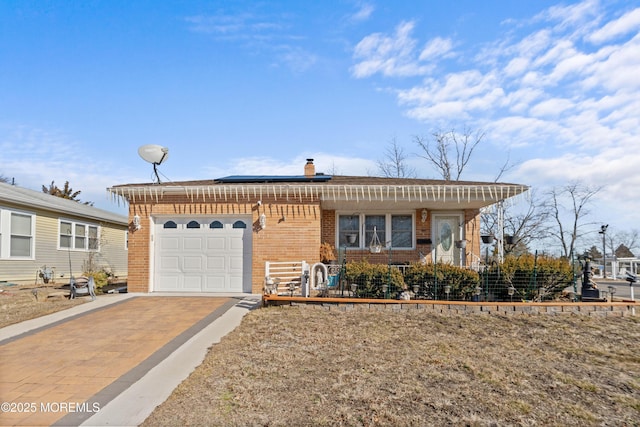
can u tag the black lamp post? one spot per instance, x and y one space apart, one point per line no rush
603 231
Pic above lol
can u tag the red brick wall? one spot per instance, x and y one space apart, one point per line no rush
292 232
472 232
423 231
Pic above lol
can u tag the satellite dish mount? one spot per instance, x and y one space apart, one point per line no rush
154 154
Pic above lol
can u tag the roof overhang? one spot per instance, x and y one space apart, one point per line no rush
330 196
32 200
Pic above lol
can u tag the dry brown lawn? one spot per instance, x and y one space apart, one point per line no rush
19 303
292 366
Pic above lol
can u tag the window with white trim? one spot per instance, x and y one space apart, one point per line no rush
78 236
395 230
17 234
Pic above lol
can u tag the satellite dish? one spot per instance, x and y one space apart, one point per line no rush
154 154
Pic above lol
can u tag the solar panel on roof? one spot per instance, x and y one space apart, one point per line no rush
273 178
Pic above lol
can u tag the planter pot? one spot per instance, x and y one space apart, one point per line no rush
351 238
509 240
487 239
460 244
375 249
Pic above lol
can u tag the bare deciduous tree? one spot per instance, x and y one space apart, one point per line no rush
394 164
524 224
618 239
506 167
450 152
568 206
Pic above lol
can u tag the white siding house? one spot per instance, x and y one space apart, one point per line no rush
39 231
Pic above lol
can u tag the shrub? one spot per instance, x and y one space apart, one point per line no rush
371 277
100 277
462 281
327 253
533 277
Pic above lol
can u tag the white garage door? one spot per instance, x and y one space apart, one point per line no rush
203 254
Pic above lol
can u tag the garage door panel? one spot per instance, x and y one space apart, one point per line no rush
235 263
216 283
168 243
236 244
168 282
192 263
216 263
205 259
235 283
169 263
193 282
214 243
192 243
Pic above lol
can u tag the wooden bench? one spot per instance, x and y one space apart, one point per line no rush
286 278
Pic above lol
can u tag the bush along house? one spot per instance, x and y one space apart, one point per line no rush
227 235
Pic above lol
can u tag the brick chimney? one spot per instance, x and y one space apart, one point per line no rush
309 169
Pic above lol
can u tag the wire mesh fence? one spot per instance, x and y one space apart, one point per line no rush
517 280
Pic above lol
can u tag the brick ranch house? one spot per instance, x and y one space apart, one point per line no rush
217 235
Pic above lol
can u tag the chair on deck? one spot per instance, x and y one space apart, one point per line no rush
82 286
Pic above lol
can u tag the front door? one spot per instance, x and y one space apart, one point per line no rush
447 231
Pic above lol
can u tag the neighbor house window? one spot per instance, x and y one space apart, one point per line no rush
392 230
17 234
21 242
93 239
79 236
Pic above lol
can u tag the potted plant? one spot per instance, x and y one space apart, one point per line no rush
327 253
487 239
461 244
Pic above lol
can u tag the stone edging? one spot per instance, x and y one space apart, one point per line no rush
617 309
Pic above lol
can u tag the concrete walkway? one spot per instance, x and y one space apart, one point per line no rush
110 361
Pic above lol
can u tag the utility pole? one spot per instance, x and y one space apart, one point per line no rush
603 231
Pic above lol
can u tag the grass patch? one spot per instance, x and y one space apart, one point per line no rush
24 302
288 366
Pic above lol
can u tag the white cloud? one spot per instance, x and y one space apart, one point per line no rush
577 17
391 56
543 87
520 99
258 33
36 157
551 107
363 13
295 58
324 163
437 47
617 170
516 66
617 67
621 26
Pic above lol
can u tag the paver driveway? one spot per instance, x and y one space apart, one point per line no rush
75 366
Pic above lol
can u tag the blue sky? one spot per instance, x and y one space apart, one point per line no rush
250 87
